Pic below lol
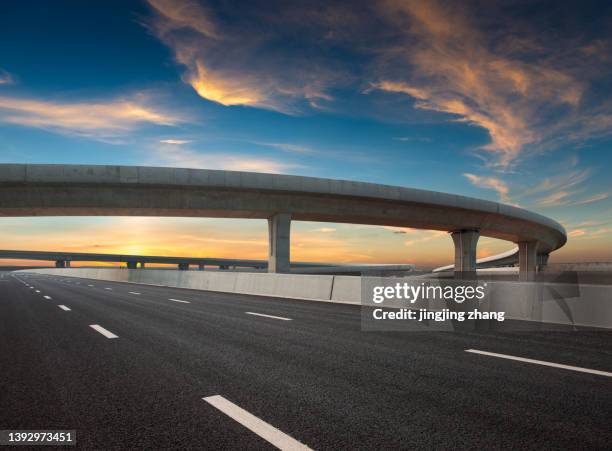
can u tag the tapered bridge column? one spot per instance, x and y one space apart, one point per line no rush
528 259
279 230
465 253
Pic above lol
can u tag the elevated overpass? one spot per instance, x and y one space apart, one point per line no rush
83 190
64 259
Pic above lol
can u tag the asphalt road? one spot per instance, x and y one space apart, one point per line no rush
313 377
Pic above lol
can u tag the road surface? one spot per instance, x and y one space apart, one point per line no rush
138 366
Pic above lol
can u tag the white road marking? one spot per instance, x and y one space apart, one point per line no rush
541 362
103 331
31 288
47 297
63 307
108 288
38 291
133 292
269 316
178 300
254 424
90 285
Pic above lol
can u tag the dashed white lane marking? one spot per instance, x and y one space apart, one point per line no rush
133 292
47 297
38 291
90 285
107 288
178 300
254 424
63 307
31 288
541 362
103 331
269 316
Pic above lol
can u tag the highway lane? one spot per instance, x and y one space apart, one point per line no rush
317 377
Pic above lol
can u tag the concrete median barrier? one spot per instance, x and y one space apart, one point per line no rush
579 305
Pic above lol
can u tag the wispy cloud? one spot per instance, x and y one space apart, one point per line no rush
490 183
555 199
230 62
325 230
97 119
176 142
591 199
179 156
6 78
510 81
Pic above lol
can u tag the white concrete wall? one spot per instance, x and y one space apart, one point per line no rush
569 304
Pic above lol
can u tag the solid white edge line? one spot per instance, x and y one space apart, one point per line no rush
269 316
178 300
63 307
541 362
103 331
264 430
47 297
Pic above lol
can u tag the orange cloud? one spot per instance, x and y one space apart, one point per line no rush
231 66
95 119
490 183
179 156
454 69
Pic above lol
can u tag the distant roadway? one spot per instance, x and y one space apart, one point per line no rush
137 366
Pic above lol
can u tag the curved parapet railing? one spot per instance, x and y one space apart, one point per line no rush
506 258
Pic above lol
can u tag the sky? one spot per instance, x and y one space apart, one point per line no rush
508 101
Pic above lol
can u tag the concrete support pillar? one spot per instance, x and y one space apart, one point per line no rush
67 263
183 266
528 260
543 260
465 253
132 265
60 264
279 232
142 265
201 267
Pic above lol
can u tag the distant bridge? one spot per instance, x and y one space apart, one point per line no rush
63 260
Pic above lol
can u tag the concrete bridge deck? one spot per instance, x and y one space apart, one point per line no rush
80 190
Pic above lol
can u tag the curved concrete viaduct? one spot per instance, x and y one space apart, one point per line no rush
80 190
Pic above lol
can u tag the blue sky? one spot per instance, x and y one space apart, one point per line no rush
506 101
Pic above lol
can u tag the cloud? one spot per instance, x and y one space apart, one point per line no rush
511 78
490 183
6 78
429 235
176 142
178 156
325 230
239 62
590 200
565 198
97 119
556 199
